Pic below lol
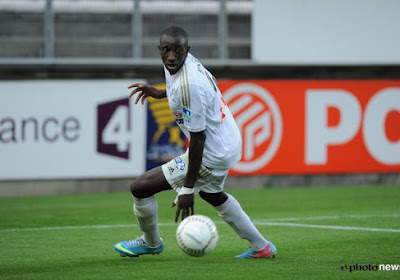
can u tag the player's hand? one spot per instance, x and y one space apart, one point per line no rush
185 205
144 91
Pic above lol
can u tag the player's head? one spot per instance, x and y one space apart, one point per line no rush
173 48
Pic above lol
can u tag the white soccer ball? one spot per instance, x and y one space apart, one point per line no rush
197 235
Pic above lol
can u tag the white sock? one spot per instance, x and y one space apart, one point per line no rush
146 212
232 213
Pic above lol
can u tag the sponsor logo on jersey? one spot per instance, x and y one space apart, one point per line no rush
179 164
187 116
178 118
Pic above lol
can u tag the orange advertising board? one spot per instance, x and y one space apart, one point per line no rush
316 126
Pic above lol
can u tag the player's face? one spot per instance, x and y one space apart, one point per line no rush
173 52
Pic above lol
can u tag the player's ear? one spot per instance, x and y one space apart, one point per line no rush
187 48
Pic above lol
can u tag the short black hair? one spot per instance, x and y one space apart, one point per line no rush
176 32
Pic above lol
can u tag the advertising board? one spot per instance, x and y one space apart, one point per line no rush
70 129
303 127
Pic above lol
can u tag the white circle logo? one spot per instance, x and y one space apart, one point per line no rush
259 120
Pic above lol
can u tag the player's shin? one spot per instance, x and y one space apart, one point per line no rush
146 212
232 213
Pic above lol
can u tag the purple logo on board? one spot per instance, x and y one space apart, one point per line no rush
113 128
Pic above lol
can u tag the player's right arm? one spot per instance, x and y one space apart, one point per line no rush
145 90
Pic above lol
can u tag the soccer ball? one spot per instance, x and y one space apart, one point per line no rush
197 235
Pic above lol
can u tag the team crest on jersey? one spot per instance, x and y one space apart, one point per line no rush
179 164
178 118
187 116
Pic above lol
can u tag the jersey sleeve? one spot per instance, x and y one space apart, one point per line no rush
194 107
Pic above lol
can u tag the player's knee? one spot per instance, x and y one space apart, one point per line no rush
138 187
215 199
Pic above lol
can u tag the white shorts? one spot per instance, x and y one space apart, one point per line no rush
209 181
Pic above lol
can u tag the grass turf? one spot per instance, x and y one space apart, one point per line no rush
72 236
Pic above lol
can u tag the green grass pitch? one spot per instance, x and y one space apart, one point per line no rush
316 231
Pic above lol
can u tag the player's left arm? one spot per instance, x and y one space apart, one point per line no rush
194 111
185 203
196 147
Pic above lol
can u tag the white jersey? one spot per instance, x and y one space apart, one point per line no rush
197 105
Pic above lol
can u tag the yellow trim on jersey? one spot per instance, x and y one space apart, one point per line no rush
187 87
185 92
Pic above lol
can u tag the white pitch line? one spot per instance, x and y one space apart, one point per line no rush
264 222
328 217
327 227
77 227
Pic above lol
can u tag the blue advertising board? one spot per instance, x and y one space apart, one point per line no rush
165 140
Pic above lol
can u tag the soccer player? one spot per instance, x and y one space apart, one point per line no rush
215 146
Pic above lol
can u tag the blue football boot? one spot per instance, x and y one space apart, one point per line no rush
137 247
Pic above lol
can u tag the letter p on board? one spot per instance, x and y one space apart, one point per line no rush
376 141
318 134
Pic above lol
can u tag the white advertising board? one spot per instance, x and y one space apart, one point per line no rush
70 129
333 32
